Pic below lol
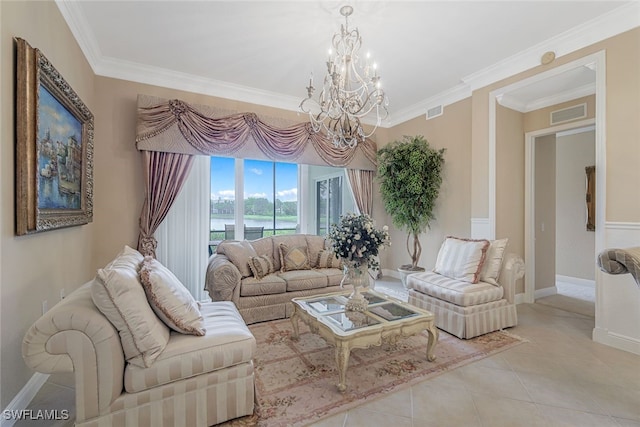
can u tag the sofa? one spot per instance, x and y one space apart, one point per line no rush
143 353
471 289
261 276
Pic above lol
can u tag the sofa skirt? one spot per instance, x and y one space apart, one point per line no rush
263 308
200 401
467 322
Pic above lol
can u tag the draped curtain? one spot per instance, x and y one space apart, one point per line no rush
170 133
226 135
183 236
164 175
361 183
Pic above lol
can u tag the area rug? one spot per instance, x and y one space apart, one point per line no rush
296 381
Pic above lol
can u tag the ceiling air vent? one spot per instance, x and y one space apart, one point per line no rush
434 112
568 114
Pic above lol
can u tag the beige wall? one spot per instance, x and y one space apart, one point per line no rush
545 211
541 119
510 180
36 267
575 246
622 127
451 131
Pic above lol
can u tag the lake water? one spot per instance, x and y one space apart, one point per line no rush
49 196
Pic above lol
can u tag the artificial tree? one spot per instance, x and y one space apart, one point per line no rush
410 175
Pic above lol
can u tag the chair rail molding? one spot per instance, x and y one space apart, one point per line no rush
481 229
618 315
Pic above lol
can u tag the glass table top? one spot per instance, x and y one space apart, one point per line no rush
381 309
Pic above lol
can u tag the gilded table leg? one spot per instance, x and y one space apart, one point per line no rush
294 322
342 361
433 340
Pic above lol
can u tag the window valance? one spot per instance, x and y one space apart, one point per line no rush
175 126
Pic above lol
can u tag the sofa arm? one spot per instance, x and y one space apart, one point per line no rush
223 279
512 270
74 336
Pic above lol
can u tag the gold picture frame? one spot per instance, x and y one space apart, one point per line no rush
54 147
591 197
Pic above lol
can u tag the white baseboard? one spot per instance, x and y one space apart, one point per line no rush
545 292
520 299
576 281
391 273
618 341
25 396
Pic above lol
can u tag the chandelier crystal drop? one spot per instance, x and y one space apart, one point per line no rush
350 91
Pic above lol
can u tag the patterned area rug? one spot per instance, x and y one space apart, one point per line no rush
296 381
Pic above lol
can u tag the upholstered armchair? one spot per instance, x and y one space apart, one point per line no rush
471 289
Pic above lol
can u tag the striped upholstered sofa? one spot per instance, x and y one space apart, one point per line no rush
471 289
170 379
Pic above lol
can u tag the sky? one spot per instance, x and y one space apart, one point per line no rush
258 181
54 117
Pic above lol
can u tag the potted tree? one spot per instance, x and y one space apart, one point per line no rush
410 175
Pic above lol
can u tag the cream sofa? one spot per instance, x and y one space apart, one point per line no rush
471 290
260 297
191 381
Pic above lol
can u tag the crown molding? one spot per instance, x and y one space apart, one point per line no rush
514 103
447 97
615 22
131 71
72 14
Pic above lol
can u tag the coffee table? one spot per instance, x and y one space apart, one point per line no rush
386 319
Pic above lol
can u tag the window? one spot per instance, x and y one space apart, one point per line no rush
328 203
269 203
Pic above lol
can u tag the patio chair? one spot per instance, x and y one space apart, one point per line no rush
253 233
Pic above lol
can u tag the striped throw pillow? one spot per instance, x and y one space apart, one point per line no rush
261 266
328 259
461 259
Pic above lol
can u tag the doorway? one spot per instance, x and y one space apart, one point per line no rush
564 239
597 63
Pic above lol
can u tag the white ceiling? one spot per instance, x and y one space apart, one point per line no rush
428 52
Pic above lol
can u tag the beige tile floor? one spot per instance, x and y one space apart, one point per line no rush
560 377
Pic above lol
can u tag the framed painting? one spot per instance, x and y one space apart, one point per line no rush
54 147
591 197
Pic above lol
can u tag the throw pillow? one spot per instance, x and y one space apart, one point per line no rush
314 245
169 299
328 259
261 266
118 294
239 254
293 258
493 261
461 259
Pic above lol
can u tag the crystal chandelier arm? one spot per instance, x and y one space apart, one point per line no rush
350 91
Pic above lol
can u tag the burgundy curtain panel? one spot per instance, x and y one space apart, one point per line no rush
164 175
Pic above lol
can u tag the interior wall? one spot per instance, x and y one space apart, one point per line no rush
620 136
545 211
541 118
510 180
451 131
622 130
36 267
575 245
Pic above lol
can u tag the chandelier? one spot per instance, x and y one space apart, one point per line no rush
350 91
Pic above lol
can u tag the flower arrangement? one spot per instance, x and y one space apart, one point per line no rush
357 241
